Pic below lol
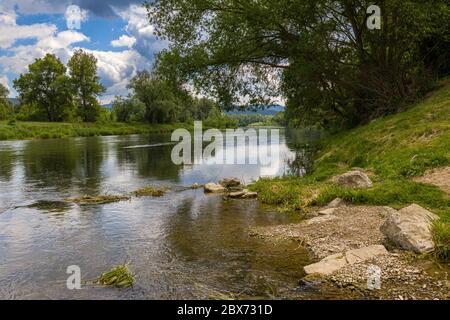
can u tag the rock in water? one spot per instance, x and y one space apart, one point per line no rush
244 194
354 179
410 228
230 182
214 188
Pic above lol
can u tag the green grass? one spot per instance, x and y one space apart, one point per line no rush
47 130
393 149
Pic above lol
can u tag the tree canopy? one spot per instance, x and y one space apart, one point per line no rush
318 54
86 84
47 87
5 105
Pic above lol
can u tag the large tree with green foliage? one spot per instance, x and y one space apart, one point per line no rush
85 84
47 87
6 109
319 54
164 101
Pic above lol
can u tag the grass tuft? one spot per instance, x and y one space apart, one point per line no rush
441 235
119 276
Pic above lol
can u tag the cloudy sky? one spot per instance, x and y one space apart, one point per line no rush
115 31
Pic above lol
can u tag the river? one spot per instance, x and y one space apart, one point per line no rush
184 245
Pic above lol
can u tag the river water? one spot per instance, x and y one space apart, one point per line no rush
184 245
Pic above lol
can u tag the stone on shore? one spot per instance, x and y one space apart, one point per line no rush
335 262
327 266
410 228
327 212
354 179
336 203
363 254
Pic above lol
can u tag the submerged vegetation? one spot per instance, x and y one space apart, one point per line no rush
119 276
392 150
100 199
150 191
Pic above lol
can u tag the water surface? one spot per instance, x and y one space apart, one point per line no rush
184 245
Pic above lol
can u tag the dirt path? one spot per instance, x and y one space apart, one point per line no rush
439 177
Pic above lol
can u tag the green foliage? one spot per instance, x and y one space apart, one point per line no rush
6 109
47 87
441 232
128 110
163 102
85 85
332 69
395 149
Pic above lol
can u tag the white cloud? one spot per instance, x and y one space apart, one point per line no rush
11 32
58 44
4 81
115 68
141 30
124 41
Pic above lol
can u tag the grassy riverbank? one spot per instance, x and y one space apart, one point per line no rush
393 150
48 130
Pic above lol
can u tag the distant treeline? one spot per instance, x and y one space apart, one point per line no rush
52 92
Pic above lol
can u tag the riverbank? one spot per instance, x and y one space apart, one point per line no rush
395 151
50 130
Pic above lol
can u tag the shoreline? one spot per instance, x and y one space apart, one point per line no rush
23 130
404 275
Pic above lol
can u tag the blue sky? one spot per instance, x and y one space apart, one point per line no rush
117 32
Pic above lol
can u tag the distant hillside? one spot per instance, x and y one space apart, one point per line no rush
269 111
14 101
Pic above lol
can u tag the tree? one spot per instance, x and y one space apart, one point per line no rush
163 101
47 87
6 109
128 109
319 54
85 84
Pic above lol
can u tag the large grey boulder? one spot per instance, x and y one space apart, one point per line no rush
354 179
410 228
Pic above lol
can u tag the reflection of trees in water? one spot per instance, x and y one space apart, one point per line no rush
304 144
7 159
303 163
62 163
150 162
